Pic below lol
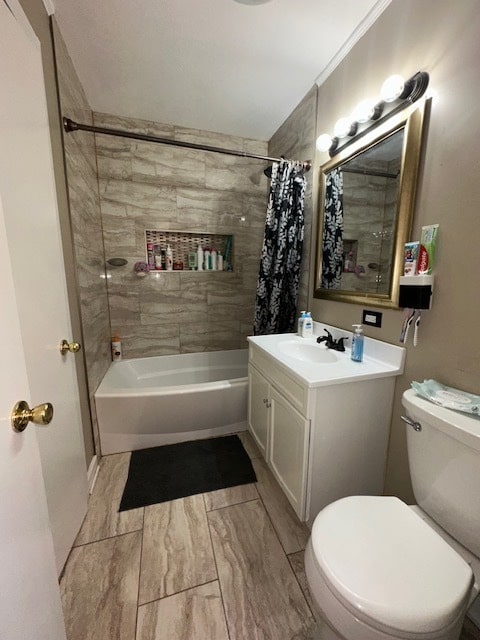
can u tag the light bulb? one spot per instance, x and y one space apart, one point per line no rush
392 88
364 111
324 142
342 127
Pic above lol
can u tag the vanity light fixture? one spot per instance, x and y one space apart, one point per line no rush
367 110
396 94
344 127
324 142
392 88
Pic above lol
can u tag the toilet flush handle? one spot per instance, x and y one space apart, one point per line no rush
412 423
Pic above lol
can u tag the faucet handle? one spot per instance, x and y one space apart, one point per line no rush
328 338
341 346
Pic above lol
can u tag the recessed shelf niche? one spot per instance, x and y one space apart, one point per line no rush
183 244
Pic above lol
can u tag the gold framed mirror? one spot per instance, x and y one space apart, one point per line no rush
365 212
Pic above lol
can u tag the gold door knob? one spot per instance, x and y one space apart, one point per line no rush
22 415
66 346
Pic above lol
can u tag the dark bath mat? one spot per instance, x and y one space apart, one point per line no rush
184 469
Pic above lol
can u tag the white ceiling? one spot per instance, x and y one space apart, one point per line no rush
215 65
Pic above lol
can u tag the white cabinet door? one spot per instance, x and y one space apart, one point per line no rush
258 412
288 450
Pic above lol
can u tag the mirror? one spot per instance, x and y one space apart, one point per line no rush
365 212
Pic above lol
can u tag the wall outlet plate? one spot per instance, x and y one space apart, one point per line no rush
372 318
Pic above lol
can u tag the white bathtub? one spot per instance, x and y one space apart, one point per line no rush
148 402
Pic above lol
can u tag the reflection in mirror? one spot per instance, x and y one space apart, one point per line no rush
365 214
363 192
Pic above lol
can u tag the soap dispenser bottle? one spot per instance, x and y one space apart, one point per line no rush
357 343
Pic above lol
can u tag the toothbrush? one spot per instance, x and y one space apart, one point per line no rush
404 326
409 323
417 322
406 323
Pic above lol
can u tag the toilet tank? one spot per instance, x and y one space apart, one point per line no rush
444 460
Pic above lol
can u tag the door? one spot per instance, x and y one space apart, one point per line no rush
288 450
258 413
27 191
30 604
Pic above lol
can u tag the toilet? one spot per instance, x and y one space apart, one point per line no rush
379 569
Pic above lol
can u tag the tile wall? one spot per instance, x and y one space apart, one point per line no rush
86 224
369 198
152 186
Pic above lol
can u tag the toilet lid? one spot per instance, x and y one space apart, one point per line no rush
388 565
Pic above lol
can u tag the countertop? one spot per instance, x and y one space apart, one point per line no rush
380 359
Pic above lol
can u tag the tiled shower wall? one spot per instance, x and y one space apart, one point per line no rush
86 225
295 139
373 199
145 185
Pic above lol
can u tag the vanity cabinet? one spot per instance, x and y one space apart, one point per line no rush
280 430
258 408
288 449
322 441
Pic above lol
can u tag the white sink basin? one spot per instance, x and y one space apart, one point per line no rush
308 352
315 365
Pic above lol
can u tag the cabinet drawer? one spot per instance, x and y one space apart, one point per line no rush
287 385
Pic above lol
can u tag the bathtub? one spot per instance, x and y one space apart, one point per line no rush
148 402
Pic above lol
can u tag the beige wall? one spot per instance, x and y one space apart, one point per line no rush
441 38
38 18
81 168
160 187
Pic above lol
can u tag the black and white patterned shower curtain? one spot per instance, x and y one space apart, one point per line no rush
278 278
332 241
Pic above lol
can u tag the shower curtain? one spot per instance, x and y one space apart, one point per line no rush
279 274
332 240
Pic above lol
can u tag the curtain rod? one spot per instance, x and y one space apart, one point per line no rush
70 125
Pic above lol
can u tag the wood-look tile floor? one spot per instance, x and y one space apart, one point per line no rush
225 565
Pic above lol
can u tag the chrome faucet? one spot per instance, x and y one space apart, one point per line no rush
331 343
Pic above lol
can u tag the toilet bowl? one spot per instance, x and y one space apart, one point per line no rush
377 571
376 568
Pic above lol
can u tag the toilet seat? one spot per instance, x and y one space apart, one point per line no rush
388 567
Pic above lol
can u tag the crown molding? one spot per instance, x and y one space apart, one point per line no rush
49 6
371 17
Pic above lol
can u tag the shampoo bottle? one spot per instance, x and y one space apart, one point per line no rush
213 258
169 258
200 258
206 258
357 343
307 329
220 262
116 348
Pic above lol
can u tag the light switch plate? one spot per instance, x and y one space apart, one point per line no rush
372 318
